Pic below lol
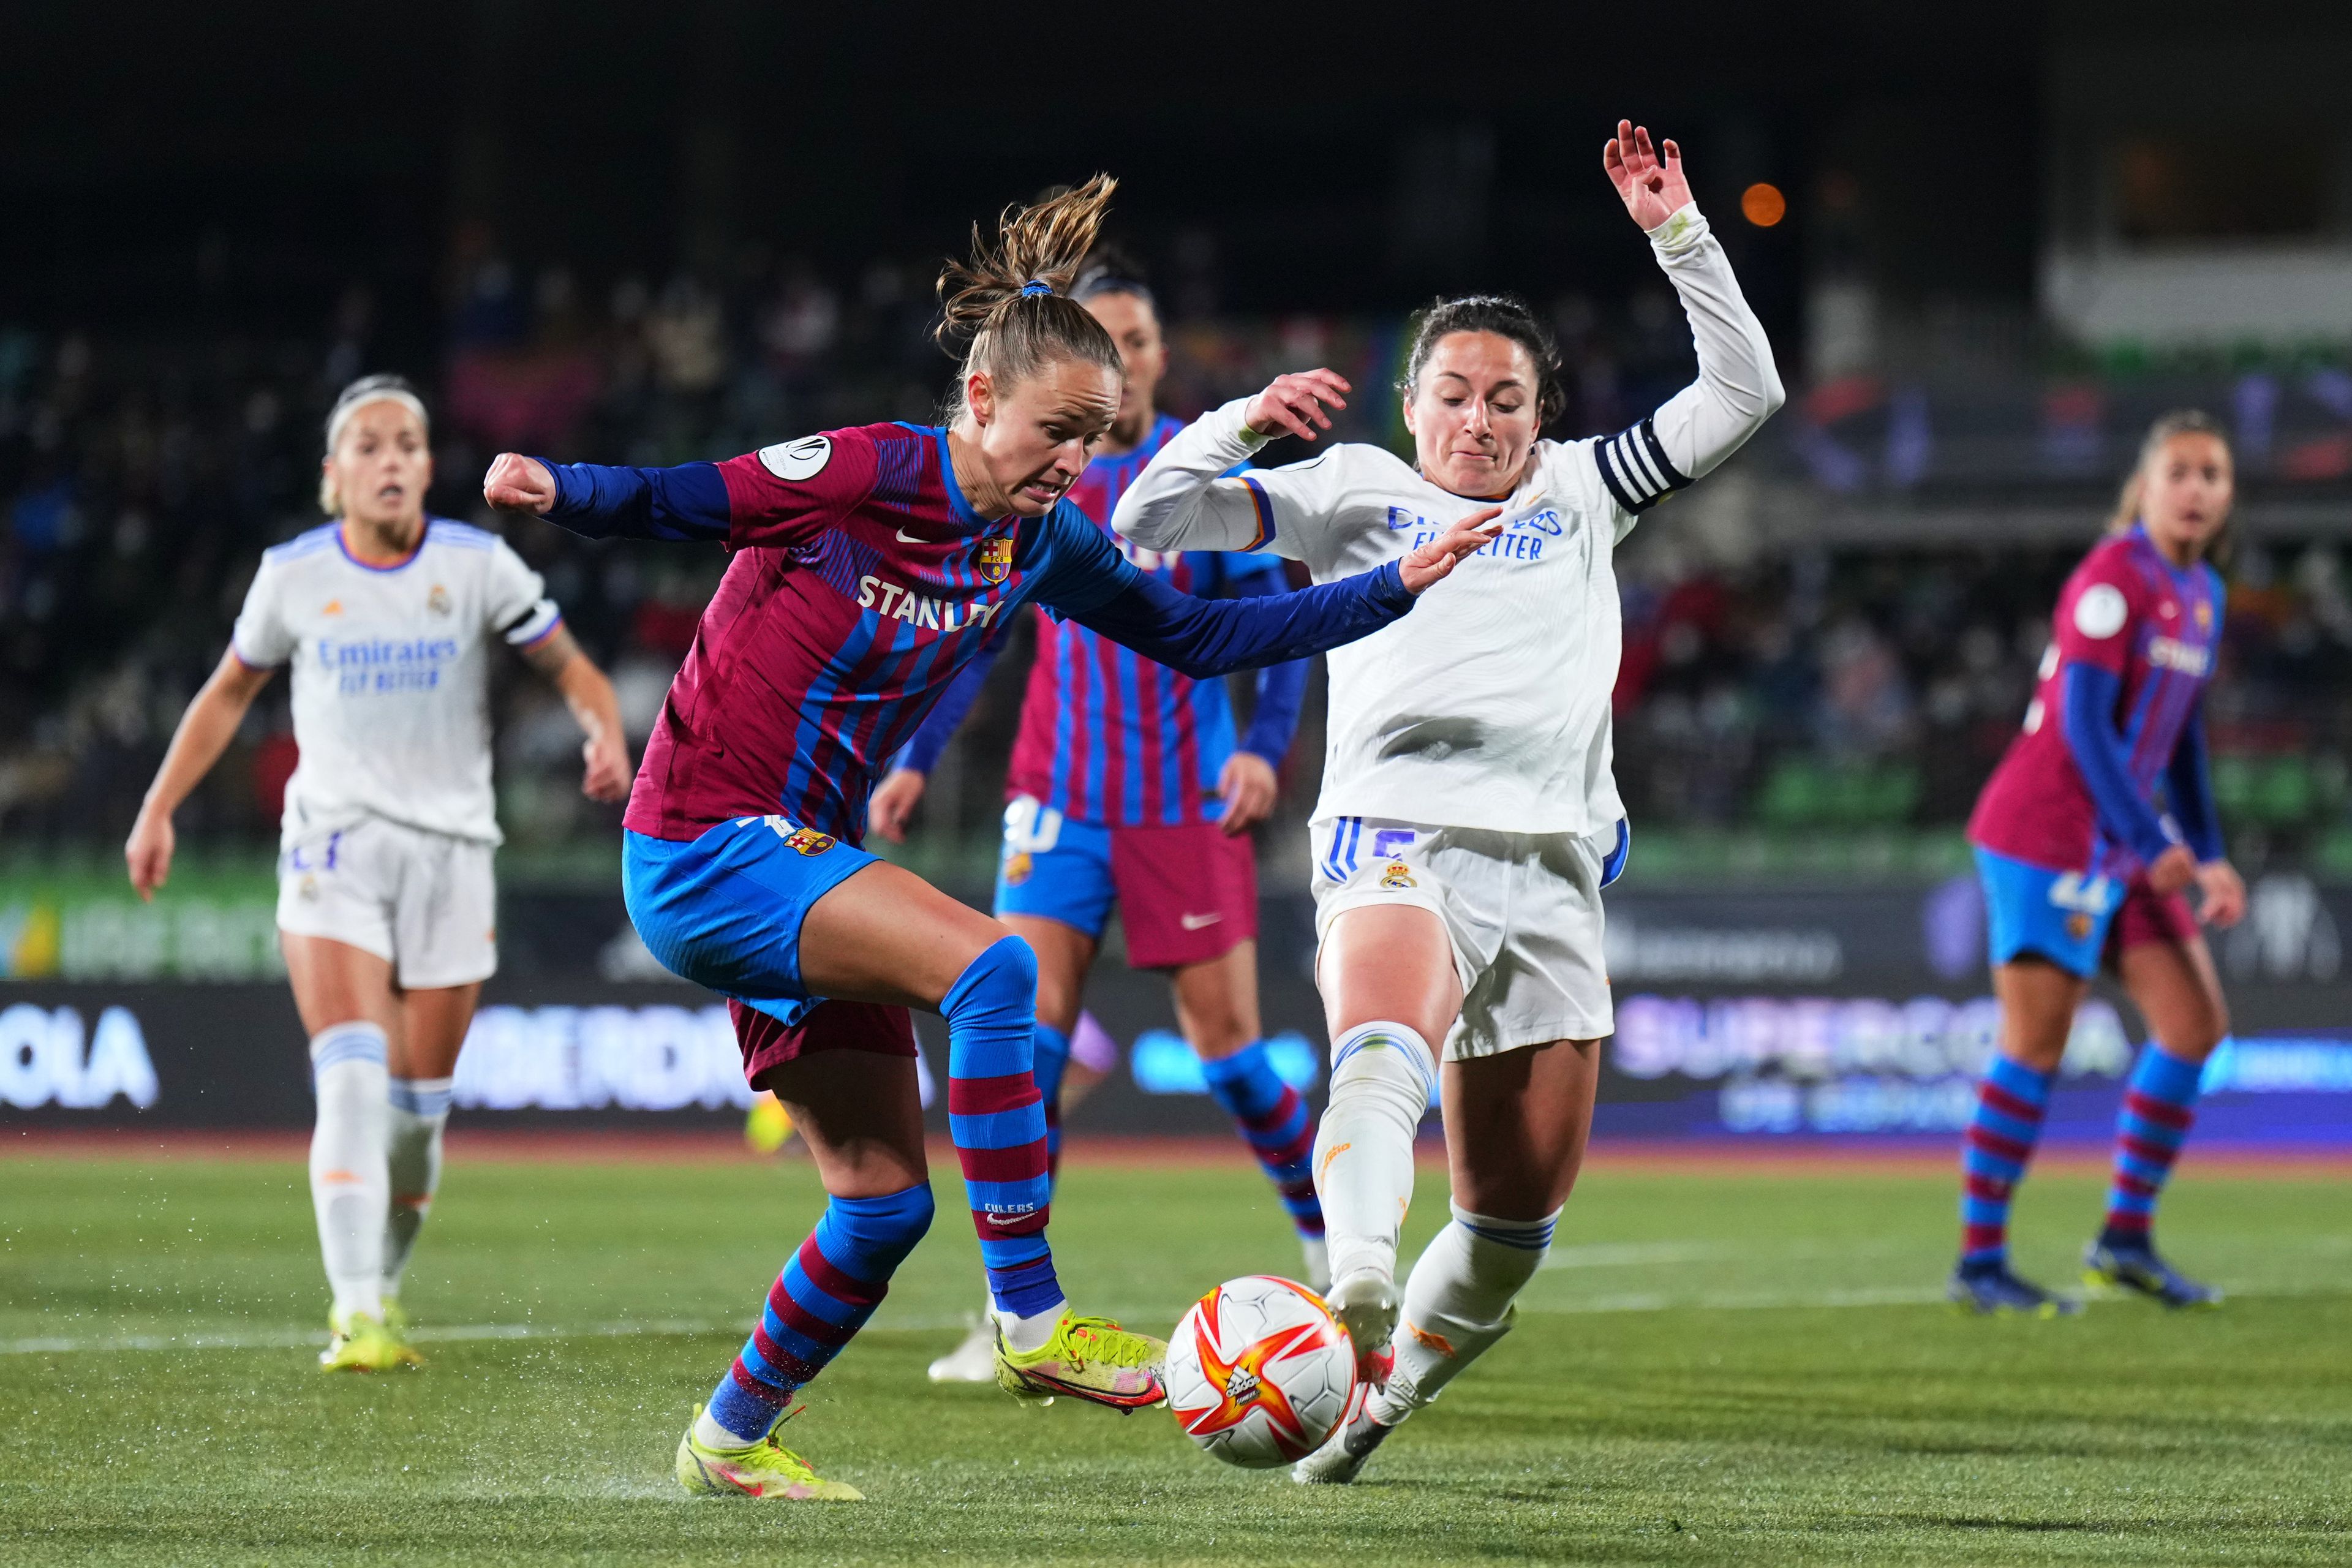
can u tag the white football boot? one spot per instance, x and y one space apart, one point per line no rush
974 1361
1341 1458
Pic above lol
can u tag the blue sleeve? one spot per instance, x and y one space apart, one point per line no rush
1201 637
2098 751
2190 789
931 737
1281 688
687 502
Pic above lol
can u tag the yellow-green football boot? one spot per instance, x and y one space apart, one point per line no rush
363 1344
765 1470
1088 1358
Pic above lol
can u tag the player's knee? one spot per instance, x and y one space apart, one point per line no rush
1004 976
1384 1065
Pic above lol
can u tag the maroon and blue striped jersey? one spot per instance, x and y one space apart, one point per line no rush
862 582
2112 736
1108 736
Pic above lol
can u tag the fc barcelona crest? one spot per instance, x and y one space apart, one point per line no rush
996 557
809 841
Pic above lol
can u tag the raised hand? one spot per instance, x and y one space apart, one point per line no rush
1653 188
1294 403
516 483
1434 561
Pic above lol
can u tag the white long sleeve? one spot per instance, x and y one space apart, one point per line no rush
1738 387
1179 502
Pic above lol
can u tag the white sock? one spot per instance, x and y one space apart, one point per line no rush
350 1184
711 1435
1382 1076
1030 1332
1458 1303
1317 1254
420 1109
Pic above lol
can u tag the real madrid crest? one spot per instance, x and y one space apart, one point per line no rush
996 557
437 601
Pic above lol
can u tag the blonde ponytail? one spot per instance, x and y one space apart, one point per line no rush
1009 305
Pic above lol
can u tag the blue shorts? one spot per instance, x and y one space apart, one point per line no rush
1186 893
2060 915
1054 869
725 909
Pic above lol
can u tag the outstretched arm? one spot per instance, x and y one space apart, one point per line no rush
203 733
1203 637
687 503
1738 386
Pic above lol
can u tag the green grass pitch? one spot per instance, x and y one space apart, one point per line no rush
1727 1365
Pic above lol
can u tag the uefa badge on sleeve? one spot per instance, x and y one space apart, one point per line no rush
996 557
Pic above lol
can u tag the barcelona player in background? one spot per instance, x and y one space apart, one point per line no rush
2088 837
869 567
1129 785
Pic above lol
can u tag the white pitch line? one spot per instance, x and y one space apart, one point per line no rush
653 1328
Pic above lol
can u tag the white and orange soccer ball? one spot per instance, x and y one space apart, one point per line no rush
1259 1374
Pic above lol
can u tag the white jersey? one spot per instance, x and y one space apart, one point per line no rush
1488 706
391 676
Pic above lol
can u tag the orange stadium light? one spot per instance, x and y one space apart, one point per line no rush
1763 204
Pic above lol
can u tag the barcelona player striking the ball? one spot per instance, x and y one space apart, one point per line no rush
2090 830
868 567
1130 786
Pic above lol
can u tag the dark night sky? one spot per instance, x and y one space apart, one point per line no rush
166 166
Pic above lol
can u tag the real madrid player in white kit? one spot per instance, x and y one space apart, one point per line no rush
1468 818
386 909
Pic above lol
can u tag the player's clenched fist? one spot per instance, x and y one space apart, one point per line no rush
1432 562
516 483
1293 405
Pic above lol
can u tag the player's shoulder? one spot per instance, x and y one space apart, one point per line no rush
447 533
1354 465
1628 467
324 539
844 460
2116 562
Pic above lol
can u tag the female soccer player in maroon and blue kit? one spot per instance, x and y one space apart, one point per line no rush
1129 785
869 567
2087 837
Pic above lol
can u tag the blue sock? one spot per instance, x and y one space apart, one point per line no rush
2159 1104
1274 1120
1052 1058
1993 1155
823 1297
998 1122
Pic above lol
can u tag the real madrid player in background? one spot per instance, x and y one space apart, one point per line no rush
2088 836
1468 820
386 909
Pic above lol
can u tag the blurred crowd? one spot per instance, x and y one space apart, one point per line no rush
140 479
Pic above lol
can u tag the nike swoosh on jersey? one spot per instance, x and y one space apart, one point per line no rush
906 537
1197 922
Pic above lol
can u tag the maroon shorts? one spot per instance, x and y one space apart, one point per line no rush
2148 916
829 1026
1186 895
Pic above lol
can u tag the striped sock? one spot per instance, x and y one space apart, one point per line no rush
2159 1103
1050 1054
1274 1119
823 1297
1993 1153
998 1122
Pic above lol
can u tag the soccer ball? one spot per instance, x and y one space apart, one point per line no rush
1259 1372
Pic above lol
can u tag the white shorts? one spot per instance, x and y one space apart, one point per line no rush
426 903
1521 909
